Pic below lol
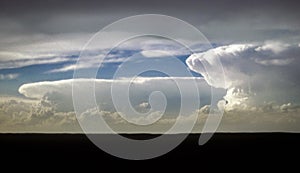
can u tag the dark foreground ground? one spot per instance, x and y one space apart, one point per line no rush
76 151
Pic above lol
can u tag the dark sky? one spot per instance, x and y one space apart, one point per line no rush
227 20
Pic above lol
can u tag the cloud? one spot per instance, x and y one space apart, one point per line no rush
144 47
89 62
50 108
240 115
254 73
9 76
19 51
60 92
274 46
251 20
21 115
262 78
154 54
15 56
26 62
144 105
279 62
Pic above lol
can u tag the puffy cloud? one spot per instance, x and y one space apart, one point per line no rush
23 115
255 74
144 105
268 117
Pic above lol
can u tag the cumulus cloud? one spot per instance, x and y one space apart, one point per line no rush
267 117
144 105
255 74
23 115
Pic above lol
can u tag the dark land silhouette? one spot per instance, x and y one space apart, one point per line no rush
252 149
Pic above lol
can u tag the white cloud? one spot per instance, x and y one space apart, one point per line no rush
161 52
144 105
20 51
254 73
14 56
21 115
88 62
66 68
60 91
228 54
40 89
274 46
260 97
146 48
52 109
10 76
27 62
154 54
278 62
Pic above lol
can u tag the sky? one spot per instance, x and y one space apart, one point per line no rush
257 43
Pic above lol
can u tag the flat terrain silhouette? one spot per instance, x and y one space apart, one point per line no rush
225 148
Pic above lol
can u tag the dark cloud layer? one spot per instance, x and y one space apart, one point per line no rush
216 18
216 8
